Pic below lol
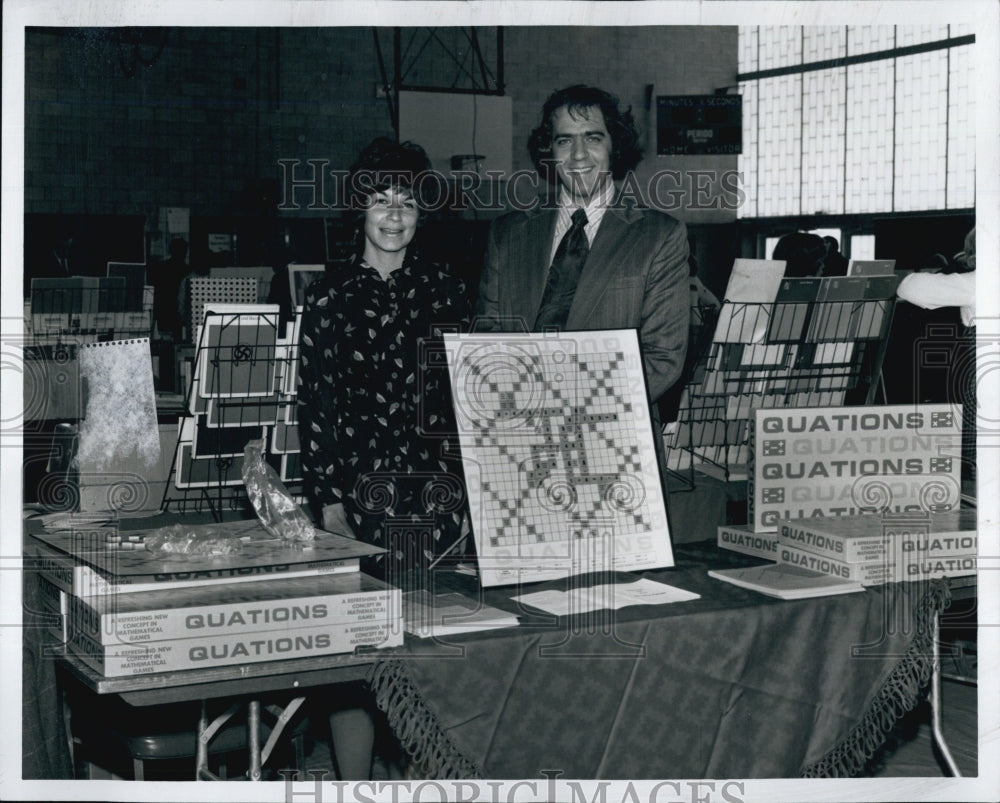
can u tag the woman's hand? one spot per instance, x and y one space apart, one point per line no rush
335 520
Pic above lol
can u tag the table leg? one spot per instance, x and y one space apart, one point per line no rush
253 737
201 756
936 704
64 709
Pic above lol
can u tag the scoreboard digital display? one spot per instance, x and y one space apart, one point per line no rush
699 124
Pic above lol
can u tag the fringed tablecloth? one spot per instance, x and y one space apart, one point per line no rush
732 685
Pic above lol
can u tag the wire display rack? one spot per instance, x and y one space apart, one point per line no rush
242 389
821 343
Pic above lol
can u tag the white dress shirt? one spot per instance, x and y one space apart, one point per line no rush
934 290
595 214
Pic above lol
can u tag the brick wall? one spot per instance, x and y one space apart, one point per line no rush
198 127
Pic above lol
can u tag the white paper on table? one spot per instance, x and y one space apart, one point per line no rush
649 592
608 596
551 601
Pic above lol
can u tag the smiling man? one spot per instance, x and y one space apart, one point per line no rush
592 262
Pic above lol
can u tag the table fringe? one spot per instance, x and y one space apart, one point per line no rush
900 693
420 732
415 725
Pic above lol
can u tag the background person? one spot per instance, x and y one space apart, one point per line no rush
950 286
802 252
955 286
834 263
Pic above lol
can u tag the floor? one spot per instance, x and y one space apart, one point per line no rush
910 751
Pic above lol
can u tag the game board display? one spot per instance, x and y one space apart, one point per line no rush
259 550
558 453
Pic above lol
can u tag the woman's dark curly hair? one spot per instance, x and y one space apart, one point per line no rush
625 151
384 163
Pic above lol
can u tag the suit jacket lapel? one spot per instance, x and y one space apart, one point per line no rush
532 265
600 267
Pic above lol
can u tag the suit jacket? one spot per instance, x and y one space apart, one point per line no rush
635 277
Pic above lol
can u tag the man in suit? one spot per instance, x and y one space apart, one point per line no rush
634 270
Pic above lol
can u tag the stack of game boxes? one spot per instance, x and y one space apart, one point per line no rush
742 538
124 610
824 464
876 549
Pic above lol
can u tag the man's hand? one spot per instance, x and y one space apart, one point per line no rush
335 520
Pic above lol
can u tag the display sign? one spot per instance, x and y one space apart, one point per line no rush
699 124
841 461
557 448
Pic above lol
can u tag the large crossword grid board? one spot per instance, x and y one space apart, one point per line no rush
558 453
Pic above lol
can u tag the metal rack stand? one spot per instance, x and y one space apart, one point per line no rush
239 392
792 352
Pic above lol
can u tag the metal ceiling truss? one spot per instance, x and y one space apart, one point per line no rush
461 60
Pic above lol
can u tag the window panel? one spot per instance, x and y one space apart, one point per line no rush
748 49
823 142
780 46
780 145
918 34
869 146
921 130
869 38
961 129
822 42
747 160
892 135
862 246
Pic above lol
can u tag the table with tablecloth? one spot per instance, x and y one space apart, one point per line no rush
695 513
733 684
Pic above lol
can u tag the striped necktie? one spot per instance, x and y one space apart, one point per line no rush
564 275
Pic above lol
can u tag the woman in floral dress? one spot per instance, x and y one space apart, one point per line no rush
379 458
379 455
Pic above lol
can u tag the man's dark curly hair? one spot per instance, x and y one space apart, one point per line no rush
625 151
384 163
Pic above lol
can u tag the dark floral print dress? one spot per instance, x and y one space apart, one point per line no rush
374 407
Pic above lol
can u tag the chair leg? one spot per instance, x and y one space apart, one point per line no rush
300 753
138 769
93 772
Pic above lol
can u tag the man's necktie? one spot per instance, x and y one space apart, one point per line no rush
564 275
